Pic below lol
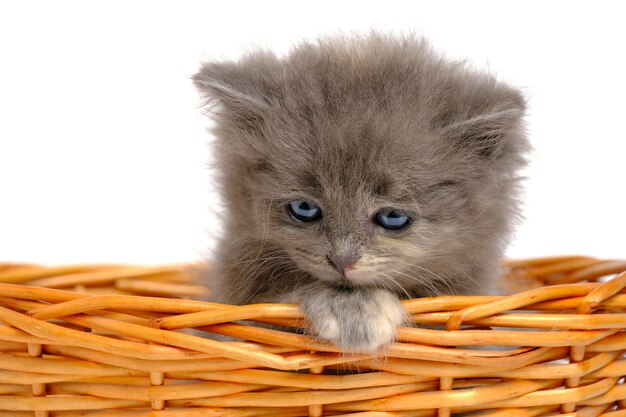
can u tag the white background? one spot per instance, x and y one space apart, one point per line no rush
103 149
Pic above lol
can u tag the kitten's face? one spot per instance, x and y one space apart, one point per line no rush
362 201
369 165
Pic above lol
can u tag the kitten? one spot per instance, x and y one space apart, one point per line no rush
358 171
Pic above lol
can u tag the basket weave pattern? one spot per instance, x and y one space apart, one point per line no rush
104 340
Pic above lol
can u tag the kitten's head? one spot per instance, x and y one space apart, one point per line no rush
370 161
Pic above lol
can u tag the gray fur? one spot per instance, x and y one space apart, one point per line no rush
356 124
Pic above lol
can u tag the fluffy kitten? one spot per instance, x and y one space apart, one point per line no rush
357 171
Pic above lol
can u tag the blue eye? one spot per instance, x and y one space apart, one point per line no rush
304 211
391 219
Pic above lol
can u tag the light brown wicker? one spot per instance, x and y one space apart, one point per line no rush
102 340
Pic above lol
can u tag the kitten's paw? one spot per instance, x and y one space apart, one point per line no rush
357 319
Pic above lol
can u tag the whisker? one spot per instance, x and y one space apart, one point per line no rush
397 284
424 283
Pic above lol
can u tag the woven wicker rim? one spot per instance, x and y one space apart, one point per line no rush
104 337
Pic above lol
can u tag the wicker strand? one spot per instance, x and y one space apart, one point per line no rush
39 389
445 384
156 379
316 410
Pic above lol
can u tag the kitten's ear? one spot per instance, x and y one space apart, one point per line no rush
245 90
488 134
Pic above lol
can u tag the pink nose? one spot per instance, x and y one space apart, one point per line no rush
342 263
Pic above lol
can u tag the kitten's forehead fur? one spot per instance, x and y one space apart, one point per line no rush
356 124
374 103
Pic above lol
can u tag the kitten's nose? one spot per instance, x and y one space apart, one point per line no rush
342 263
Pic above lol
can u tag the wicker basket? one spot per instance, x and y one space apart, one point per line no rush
102 340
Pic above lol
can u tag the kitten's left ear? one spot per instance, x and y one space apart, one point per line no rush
489 134
245 89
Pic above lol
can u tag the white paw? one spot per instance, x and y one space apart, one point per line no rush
328 326
363 320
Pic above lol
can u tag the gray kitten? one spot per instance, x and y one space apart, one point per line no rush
357 171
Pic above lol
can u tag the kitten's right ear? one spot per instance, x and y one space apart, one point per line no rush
487 122
245 90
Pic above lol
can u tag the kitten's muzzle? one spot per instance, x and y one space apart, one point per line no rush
342 263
